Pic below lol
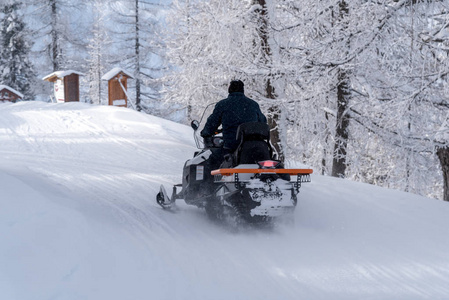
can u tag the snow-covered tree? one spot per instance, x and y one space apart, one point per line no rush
199 45
393 87
212 43
97 60
264 56
59 28
136 23
358 80
16 70
415 107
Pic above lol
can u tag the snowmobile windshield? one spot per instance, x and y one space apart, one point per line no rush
203 119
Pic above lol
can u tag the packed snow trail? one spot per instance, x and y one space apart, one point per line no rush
78 220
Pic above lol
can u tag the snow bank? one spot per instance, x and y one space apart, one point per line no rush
79 220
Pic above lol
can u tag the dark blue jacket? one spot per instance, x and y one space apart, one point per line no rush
230 113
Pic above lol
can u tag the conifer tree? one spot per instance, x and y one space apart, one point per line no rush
60 28
136 22
97 60
16 69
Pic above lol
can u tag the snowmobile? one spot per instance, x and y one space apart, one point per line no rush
249 186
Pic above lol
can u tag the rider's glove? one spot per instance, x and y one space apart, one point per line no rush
208 142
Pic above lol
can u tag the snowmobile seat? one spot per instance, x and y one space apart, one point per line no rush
254 144
253 151
253 131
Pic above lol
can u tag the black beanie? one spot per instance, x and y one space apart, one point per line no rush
236 86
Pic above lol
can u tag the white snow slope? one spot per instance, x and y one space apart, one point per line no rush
78 220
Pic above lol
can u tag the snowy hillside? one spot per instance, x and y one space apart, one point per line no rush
78 220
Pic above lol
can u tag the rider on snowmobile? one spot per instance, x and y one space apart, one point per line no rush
236 177
231 112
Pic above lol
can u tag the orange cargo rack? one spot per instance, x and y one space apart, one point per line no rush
229 172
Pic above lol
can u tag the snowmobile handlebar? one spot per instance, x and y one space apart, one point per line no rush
213 141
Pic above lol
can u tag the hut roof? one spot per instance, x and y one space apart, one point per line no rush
109 75
60 74
11 90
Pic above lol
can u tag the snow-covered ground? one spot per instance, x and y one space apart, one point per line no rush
78 220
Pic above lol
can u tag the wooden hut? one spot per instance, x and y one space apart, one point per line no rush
9 94
65 85
117 80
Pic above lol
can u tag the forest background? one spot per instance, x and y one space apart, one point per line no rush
354 88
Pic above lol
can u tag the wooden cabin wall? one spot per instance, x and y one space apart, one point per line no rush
115 91
71 88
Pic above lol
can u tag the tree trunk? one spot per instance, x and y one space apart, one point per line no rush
99 77
274 111
324 170
341 134
137 49
55 51
443 156
273 121
343 95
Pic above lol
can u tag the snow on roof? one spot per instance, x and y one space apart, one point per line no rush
109 75
61 74
11 90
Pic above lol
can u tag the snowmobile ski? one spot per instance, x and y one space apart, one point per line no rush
163 199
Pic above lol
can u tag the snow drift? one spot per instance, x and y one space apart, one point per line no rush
78 220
